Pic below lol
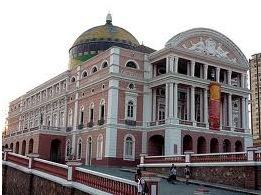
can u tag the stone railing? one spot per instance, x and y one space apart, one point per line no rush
166 159
105 182
71 175
53 168
185 122
219 157
252 154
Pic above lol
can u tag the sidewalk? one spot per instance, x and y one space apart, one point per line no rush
207 184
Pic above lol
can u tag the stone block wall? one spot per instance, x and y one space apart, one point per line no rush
18 182
240 176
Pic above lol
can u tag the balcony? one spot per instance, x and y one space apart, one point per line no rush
101 122
226 128
241 130
80 126
130 122
201 124
90 124
185 122
68 129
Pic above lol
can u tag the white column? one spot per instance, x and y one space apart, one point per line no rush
230 110
176 64
115 60
171 95
192 68
147 105
229 77
171 64
75 122
243 112
242 80
175 101
192 104
206 107
154 102
112 116
217 74
166 100
167 64
205 71
247 113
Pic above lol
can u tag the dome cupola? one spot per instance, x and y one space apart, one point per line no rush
98 39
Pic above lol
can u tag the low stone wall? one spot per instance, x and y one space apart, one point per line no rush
240 176
18 182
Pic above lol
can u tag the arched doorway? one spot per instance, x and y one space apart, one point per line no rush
214 145
187 143
23 147
89 152
201 145
6 145
31 146
17 148
55 153
238 146
156 145
226 146
11 146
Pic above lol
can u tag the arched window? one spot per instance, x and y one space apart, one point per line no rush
84 74
79 149
102 110
91 112
68 148
129 148
99 147
94 69
17 148
72 79
70 118
11 146
131 64
238 146
104 64
81 115
130 109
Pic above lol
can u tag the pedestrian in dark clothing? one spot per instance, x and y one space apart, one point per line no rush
172 174
187 173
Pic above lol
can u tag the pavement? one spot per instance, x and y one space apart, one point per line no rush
179 188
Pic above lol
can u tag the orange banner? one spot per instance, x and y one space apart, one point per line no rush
214 106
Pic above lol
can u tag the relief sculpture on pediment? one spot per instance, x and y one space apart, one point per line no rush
208 47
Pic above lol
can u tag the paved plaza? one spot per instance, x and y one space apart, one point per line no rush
179 188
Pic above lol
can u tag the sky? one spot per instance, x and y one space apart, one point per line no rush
35 36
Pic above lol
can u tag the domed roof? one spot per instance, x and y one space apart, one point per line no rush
107 32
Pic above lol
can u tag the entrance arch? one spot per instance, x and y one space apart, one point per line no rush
238 146
31 146
156 145
89 152
23 147
201 145
11 146
187 143
214 145
6 145
55 153
17 148
226 146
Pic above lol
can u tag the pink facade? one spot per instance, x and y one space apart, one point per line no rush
121 103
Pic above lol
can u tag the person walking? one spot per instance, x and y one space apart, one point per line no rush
172 174
187 174
142 185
